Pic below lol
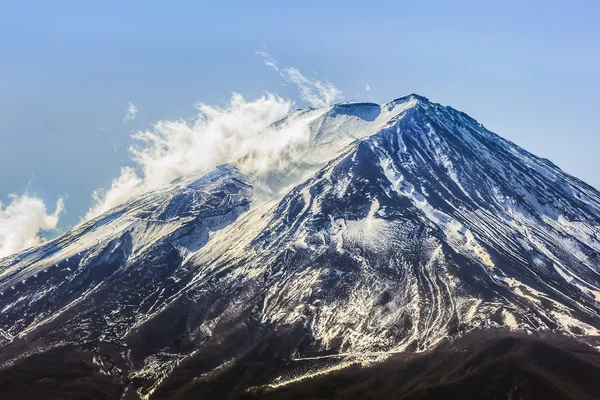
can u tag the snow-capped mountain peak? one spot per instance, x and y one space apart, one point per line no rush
398 226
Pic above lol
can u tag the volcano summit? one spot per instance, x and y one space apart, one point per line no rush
396 232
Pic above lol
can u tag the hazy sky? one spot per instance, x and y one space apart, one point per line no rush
76 80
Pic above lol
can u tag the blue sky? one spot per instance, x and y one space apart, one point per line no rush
528 70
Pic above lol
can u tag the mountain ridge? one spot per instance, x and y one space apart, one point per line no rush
395 229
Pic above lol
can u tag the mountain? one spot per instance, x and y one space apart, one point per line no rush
398 232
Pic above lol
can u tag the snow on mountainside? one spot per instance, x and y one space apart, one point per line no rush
398 226
106 261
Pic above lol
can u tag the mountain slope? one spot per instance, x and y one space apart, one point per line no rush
107 274
405 225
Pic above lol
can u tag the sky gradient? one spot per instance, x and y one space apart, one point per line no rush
77 80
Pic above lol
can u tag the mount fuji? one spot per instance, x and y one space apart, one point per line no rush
404 237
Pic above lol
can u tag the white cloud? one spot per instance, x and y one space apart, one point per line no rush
30 181
367 88
131 112
269 61
241 132
317 93
22 221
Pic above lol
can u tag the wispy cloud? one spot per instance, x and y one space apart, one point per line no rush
22 221
367 88
131 112
31 177
269 61
242 132
317 93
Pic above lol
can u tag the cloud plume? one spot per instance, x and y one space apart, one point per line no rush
317 93
22 222
242 132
